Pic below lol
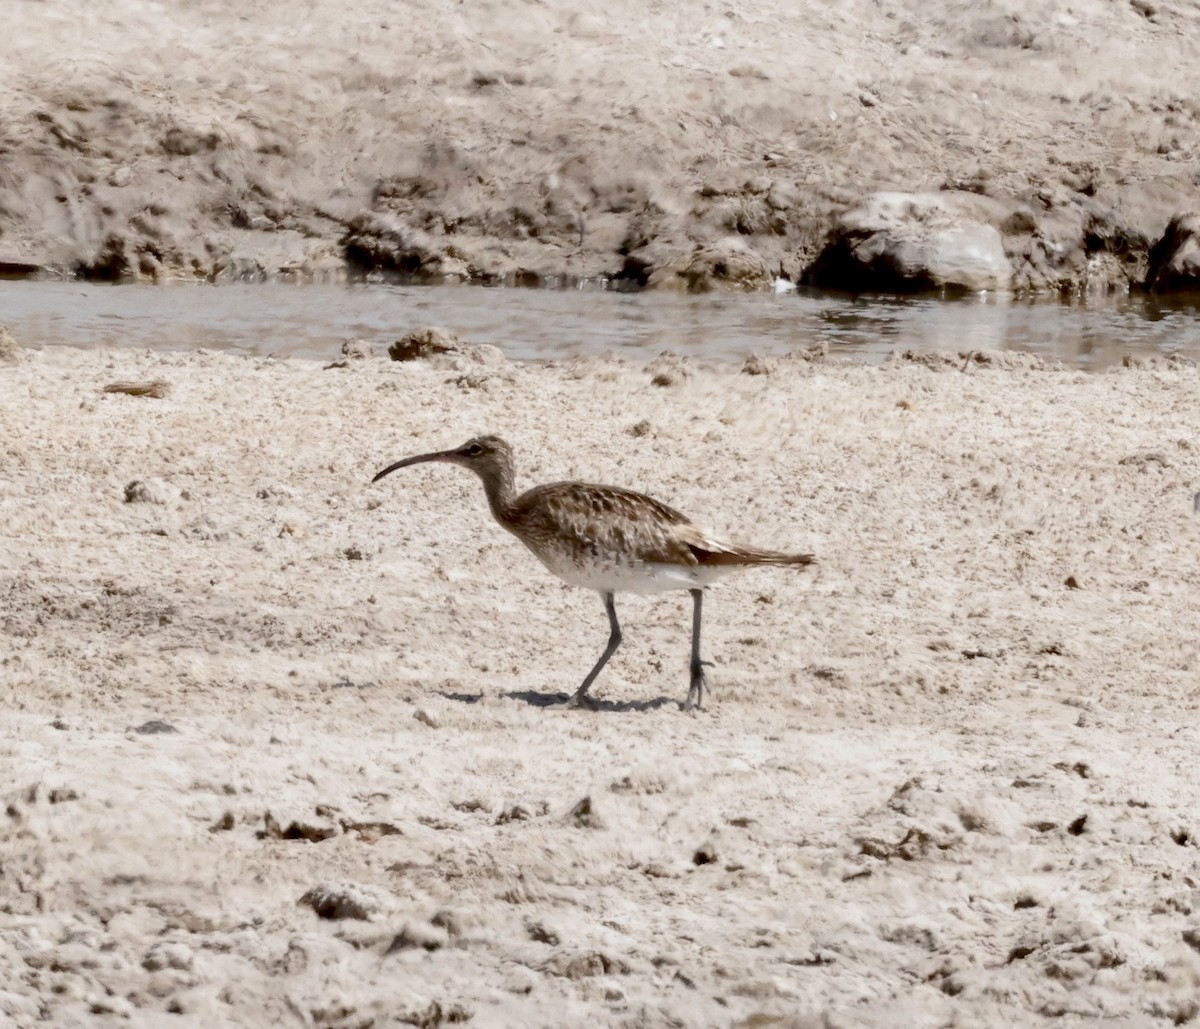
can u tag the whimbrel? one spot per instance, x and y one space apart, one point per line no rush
608 539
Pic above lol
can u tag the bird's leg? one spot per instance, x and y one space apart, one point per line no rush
698 682
614 640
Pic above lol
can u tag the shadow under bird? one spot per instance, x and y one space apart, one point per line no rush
608 539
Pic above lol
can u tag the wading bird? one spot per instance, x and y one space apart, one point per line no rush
607 539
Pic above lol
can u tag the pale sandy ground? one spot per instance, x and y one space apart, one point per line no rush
935 785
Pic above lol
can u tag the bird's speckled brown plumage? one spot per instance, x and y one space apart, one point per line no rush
605 538
597 527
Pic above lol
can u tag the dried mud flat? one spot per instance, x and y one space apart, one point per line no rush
283 748
524 142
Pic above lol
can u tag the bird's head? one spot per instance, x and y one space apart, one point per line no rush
489 457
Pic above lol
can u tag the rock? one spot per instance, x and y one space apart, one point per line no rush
584 815
539 933
157 388
342 900
356 350
725 263
312 832
425 718
587 964
151 491
120 259
522 812
816 352
668 369
381 242
1175 259
641 257
756 364
911 242
185 141
425 344
1020 222
155 727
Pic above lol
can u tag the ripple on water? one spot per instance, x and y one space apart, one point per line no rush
314 321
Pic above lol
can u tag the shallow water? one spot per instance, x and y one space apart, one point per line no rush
314 321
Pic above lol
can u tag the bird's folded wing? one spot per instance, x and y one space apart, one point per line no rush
604 520
609 521
710 551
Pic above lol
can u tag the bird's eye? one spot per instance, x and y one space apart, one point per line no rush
474 450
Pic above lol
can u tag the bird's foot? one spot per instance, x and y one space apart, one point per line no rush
695 697
582 700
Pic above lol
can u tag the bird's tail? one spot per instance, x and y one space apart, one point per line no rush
717 553
738 555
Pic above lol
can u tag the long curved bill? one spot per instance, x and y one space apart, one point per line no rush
441 455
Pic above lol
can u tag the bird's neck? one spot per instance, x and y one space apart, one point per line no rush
498 485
